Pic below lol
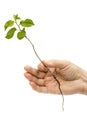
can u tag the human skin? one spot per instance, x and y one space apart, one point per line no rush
72 78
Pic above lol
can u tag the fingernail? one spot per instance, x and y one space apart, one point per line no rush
25 67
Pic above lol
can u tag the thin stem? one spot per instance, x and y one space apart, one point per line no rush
49 71
18 26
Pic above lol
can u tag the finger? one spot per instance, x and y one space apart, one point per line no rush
42 67
38 88
34 79
45 69
53 63
34 72
44 89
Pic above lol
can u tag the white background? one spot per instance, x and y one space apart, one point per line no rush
60 32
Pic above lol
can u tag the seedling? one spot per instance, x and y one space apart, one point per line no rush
20 29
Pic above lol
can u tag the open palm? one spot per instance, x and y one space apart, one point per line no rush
67 73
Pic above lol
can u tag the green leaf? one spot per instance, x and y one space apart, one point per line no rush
21 34
27 23
16 17
10 33
9 23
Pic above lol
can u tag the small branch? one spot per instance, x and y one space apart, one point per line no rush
22 34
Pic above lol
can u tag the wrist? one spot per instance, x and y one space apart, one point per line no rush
84 85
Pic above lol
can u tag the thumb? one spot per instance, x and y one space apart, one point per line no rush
54 63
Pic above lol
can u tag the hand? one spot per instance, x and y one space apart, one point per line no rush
71 77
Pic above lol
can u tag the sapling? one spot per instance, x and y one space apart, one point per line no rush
20 28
